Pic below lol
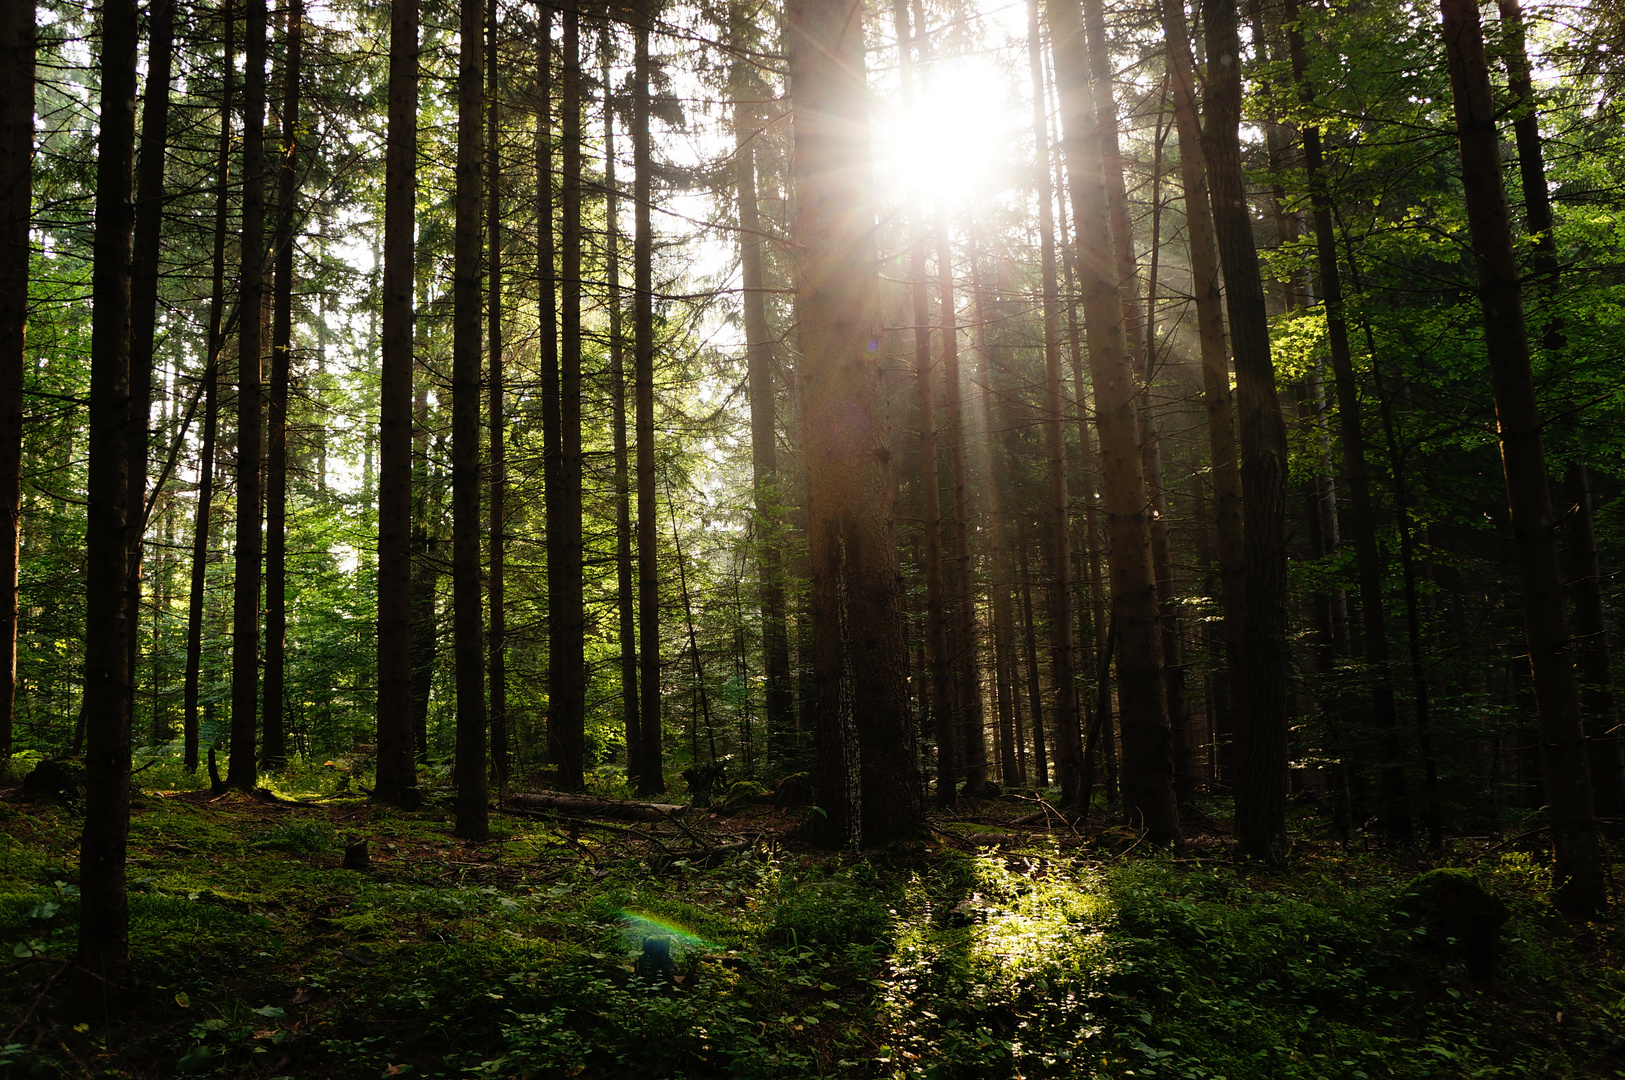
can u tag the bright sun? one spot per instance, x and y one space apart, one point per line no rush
953 146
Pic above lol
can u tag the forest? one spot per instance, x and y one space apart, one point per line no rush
917 539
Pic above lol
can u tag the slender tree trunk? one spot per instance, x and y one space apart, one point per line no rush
626 598
1261 713
868 775
245 626
1221 431
211 402
548 319
274 747
651 778
468 639
936 630
1578 877
1361 515
397 780
16 216
104 914
1148 765
425 559
497 632
1035 696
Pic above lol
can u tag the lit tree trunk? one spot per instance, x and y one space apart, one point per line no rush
211 404
936 631
1034 695
496 597
625 597
468 645
245 624
104 914
763 413
868 775
972 736
1578 877
274 748
1261 713
16 214
651 774
1148 756
1221 430
1361 516
397 780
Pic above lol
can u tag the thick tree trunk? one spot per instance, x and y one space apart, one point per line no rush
651 774
274 747
211 403
1148 755
780 708
1578 876
1221 432
104 941
245 624
16 215
468 639
497 631
936 629
868 775
397 780
1261 712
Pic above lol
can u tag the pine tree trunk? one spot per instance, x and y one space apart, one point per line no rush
274 747
468 637
651 774
1035 696
496 633
16 215
425 562
548 319
397 779
245 623
1148 755
1578 876
104 941
868 775
1261 712
202 525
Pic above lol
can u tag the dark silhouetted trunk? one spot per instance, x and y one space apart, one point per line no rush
651 775
426 559
497 631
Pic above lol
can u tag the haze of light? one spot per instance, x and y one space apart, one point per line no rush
953 146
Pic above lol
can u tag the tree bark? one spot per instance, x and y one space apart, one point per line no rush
468 638
274 747
868 776
1261 713
427 512
1578 876
104 941
16 215
245 625
496 597
396 778
651 774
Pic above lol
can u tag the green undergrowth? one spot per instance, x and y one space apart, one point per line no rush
256 955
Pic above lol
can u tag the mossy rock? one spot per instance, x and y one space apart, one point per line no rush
743 793
794 790
1449 910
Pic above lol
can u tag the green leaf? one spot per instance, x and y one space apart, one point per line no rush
193 1059
270 1012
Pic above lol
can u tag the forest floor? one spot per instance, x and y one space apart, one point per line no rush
998 949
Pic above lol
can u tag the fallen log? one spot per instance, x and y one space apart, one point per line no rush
590 806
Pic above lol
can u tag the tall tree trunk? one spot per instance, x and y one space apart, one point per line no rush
780 708
626 598
468 638
547 312
972 733
497 632
245 624
651 774
1034 695
567 713
1261 713
936 630
16 215
274 747
202 527
868 774
1148 755
1221 431
104 914
1361 516
1578 877
397 780
425 559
